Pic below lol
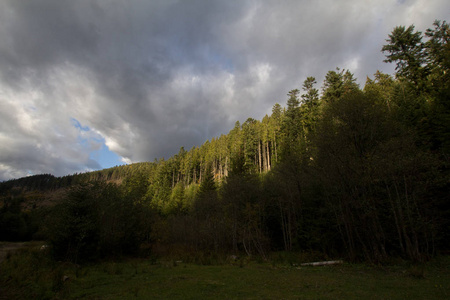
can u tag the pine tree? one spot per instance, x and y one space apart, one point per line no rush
406 49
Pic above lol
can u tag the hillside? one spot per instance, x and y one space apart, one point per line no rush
361 173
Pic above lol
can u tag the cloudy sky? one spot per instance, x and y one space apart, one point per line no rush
87 84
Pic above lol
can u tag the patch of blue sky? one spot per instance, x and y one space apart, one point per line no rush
95 144
78 125
106 158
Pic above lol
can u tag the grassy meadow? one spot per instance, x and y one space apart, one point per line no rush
31 274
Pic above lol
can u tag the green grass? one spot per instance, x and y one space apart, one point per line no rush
30 275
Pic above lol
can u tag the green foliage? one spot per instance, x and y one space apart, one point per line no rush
94 221
337 83
355 173
17 224
311 95
379 206
24 277
250 143
30 274
405 47
243 208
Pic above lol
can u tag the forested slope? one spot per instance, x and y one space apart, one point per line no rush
360 173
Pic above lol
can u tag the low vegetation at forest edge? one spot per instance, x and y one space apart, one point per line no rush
32 274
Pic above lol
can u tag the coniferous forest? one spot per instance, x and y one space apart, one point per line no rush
341 170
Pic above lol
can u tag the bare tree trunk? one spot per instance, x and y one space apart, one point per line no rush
226 167
264 155
259 153
396 219
173 179
285 226
275 146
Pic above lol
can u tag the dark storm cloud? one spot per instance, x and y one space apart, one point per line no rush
148 77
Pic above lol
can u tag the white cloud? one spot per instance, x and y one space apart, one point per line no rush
151 76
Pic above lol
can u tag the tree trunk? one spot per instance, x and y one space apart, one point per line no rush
275 146
225 173
195 175
173 179
259 153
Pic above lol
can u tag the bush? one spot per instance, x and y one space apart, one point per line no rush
96 220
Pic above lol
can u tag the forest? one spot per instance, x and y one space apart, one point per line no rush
359 173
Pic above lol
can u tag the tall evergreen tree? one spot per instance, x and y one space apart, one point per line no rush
405 48
333 85
311 95
310 107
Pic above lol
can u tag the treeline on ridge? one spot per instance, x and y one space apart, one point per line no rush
359 173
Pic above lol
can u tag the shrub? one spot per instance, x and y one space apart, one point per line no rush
96 220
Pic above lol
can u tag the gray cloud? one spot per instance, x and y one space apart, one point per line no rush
148 77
